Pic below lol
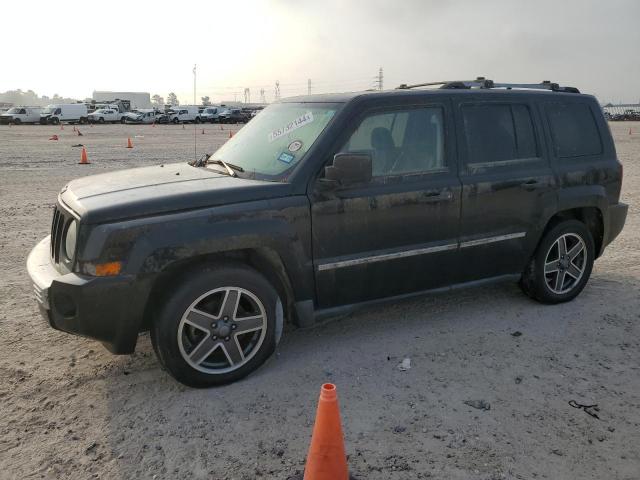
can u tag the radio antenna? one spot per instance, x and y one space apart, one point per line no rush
195 130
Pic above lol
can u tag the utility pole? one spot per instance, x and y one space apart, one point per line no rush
277 92
379 79
247 95
262 99
309 87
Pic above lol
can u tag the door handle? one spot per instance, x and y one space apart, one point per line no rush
438 195
531 184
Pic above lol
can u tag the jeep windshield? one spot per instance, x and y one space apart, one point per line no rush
277 139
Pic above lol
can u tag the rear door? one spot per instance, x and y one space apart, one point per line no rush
398 233
508 186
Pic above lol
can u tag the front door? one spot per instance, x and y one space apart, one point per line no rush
398 233
507 185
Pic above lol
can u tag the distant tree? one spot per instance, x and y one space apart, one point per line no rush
205 100
157 100
172 99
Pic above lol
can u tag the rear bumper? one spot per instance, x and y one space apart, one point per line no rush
107 309
617 217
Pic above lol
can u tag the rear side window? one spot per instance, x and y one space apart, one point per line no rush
574 130
498 132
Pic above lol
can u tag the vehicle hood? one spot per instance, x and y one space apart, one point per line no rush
161 189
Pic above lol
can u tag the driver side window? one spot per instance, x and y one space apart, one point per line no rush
401 141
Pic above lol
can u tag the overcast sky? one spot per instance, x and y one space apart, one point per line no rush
74 47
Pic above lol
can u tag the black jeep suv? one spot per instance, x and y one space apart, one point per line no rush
323 203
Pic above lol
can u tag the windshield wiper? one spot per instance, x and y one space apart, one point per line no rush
230 167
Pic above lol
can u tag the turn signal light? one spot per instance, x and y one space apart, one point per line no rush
108 269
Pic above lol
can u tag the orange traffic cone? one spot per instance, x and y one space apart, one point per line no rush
221 127
203 131
230 134
629 131
183 126
54 137
79 132
326 459
129 144
83 157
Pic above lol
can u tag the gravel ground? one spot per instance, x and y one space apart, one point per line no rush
72 410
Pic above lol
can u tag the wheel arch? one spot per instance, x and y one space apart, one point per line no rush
264 260
591 216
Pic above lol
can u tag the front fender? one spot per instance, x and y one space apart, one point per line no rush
150 245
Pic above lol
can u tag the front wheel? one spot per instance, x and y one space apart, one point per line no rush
218 326
561 265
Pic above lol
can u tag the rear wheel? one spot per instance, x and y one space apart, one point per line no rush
123 120
55 120
561 265
218 326
17 121
175 120
101 120
197 119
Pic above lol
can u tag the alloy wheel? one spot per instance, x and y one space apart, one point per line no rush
222 330
565 263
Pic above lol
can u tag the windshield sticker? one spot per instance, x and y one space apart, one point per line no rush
295 146
301 121
286 157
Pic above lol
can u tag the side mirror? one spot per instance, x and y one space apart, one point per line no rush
350 168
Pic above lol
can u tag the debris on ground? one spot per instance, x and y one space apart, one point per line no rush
479 404
404 365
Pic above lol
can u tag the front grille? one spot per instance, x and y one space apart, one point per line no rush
58 225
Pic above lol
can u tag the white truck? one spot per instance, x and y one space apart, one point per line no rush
184 114
71 113
18 115
110 114
141 115
211 114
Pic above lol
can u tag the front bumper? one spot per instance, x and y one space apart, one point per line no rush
107 309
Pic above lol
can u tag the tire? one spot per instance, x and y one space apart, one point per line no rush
123 120
55 121
565 275
101 120
197 119
200 357
175 120
17 121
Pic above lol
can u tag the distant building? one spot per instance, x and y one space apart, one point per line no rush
137 99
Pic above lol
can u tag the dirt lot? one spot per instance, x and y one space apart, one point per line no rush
72 410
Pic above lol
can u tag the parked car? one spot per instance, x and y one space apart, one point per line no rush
211 114
234 115
68 113
142 115
322 204
109 115
18 115
184 114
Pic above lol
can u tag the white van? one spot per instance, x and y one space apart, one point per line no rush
184 113
69 113
18 115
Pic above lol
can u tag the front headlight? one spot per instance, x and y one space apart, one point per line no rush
70 239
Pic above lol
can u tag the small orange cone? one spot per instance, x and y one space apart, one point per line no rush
203 131
629 131
326 459
230 134
54 137
79 133
83 157
183 126
221 127
129 144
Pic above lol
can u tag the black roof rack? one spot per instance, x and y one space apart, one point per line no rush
482 82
